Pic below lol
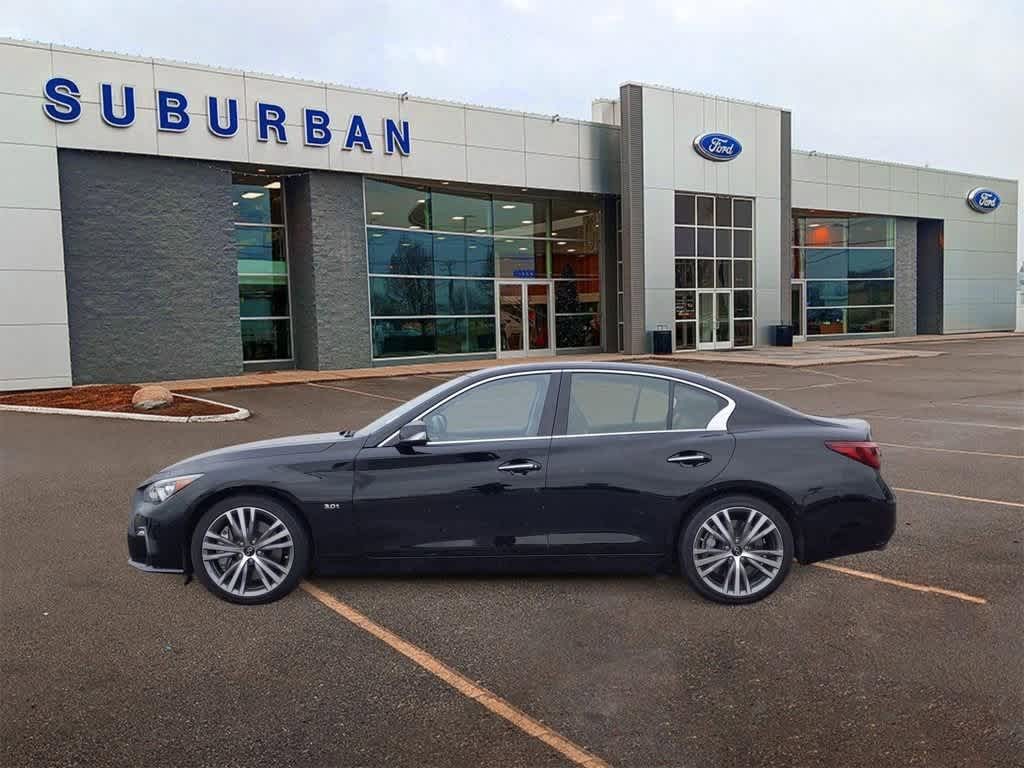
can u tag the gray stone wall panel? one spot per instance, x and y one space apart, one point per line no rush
152 280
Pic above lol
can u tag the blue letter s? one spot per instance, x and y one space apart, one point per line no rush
62 100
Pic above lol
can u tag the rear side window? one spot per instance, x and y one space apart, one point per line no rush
614 402
693 408
509 407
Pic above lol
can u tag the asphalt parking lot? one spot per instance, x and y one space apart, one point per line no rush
869 666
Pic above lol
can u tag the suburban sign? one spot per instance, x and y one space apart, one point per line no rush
717 146
983 200
63 105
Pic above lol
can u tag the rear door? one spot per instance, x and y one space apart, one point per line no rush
628 451
476 488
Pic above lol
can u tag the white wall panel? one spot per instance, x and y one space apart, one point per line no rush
342 104
930 182
904 179
659 139
690 168
599 141
436 160
198 142
88 70
435 122
32 297
875 200
548 137
291 95
495 166
551 171
808 194
25 68
33 356
293 153
90 132
197 84
495 130
599 176
768 156
35 168
30 239
843 172
843 198
24 121
357 161
875 175
810 168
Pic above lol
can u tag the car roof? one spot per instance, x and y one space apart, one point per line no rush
564 365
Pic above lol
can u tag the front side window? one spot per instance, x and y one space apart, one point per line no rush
495 410
601 403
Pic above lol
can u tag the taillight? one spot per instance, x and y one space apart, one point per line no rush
863 451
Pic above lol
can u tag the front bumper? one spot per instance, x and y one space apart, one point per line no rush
156 535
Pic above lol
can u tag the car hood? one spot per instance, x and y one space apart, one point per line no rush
279 446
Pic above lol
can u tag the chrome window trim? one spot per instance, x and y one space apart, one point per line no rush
718 423
384 443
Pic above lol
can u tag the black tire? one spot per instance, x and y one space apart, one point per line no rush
723 575
263 510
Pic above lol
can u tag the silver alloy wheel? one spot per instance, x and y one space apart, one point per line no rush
247 551
738 551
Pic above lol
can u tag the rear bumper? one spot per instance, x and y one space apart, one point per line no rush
848 524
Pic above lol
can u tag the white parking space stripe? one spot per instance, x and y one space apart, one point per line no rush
998 502
952 423
356 392
953 450
904 584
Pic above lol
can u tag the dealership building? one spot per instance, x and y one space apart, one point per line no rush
163 220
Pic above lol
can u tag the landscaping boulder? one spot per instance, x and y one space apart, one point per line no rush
148 398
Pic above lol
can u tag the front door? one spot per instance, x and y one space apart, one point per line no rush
714 319
798 299
475 488
525 318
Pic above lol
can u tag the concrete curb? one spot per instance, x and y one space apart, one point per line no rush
238 415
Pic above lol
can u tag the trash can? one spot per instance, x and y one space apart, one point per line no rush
662 341
782 335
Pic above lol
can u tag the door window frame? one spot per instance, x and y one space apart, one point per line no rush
718 423
546 419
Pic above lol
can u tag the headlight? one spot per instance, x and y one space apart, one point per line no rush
162 490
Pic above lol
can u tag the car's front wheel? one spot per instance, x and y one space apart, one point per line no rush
736 549
249 549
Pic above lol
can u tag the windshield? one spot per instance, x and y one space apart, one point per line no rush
404 410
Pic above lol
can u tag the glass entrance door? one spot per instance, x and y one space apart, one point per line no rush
798 301
525 319
714 319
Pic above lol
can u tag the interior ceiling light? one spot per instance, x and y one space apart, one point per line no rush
561 242
252 195
261 170
527 221
572 250
458 218
522 249
581 210
508 206
414 226
377 234
421 201
554 234
272 185
376 213
481 230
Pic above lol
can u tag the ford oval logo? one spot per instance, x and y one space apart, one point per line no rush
717 146
983 200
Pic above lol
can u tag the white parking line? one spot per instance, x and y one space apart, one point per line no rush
904 584
997 502
356 392
953 423
953 450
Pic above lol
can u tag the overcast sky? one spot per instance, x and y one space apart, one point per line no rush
936 82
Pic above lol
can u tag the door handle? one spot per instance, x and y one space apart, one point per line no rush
689 458
519 466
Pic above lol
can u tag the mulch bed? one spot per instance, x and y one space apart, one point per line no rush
110 397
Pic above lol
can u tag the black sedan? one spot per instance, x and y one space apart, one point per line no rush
530 467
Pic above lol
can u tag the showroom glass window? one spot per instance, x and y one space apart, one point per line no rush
263 296
436 252
714 254
847 263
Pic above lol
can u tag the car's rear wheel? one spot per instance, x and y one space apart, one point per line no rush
249 550
736 549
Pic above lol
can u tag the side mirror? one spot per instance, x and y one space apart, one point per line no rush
413 433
